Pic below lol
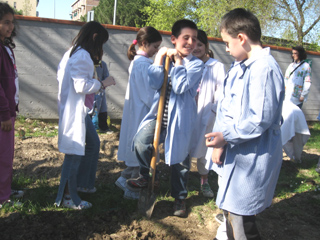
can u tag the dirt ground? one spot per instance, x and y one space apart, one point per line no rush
39 157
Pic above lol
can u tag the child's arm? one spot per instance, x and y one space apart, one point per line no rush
156 70
108 82
174 57
6 125
261 96
81 72
306 84
106 79
186 77
215 139
216 155
159 58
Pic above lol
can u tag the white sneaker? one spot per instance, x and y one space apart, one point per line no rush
16 193
121 183
128 194
68 203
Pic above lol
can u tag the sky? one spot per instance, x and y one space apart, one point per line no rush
62 9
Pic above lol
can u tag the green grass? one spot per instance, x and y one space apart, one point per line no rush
26 128
314 140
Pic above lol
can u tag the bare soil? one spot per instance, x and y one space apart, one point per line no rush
38 157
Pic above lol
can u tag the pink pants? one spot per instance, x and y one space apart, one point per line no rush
6 160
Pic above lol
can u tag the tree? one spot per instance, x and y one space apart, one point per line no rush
302 15
129 13
206 13
288 19
163 13
210 12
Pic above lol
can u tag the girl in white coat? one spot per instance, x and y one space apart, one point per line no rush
207 99
77 136
138 100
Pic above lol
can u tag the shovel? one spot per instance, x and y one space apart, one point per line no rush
147 198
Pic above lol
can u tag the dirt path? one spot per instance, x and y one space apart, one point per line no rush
39 158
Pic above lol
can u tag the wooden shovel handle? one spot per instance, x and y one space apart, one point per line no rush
156 139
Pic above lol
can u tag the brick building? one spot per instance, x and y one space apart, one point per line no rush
81 7
28 7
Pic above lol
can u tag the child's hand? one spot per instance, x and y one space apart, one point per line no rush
216 155
174 56
215 139
162 51
158 60
108 81
6 126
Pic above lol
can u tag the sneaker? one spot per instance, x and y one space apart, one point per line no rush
179 208
11 204
121 183
86 190
219 218
16 193
136 184
206 190
68 203
128 194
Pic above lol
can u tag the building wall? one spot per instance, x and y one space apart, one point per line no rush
42 42
29 7
81 7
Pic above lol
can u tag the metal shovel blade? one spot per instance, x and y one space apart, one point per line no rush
146 202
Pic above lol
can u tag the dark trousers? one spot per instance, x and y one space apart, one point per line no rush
143 147
241 227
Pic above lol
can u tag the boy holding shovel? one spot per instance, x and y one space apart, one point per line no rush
178 115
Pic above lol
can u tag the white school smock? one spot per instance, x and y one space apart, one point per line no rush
249 118
138 100
182 107
211 82
75 77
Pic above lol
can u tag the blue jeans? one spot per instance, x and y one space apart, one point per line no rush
80 171
143 147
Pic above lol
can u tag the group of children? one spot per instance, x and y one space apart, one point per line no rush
235 117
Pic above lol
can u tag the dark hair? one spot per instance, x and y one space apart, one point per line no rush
240 20
180 24
302 55
202 37
86 40
145 34
210 53
5 9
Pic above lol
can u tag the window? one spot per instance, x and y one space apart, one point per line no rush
15 5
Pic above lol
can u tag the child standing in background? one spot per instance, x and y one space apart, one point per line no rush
78 138
207 99
138 100
99 112
9 99
178 115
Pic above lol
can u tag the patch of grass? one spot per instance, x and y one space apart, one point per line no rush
25 127
314 140
211 204
297 178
